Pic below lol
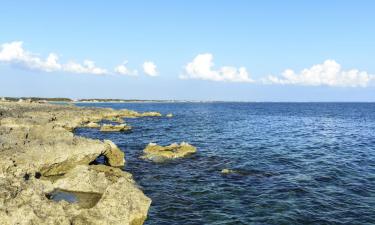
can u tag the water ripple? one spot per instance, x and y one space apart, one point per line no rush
297 163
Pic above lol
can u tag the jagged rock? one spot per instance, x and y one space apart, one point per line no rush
112 128
169 115
158 153
40 156
115 156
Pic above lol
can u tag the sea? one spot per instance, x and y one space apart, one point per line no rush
292 163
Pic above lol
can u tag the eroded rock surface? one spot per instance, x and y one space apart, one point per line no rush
91 125
159 153
114 128
39 155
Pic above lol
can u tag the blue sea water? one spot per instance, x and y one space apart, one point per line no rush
299 163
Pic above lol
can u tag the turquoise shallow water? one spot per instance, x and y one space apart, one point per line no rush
301 163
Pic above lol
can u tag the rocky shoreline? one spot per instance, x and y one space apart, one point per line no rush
42 161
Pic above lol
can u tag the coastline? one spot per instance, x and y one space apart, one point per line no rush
40 156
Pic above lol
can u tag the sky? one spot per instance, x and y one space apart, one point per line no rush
189 50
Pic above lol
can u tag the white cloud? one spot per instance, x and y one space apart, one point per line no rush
88 67
150 69
328 73
202 68
124 70
14 53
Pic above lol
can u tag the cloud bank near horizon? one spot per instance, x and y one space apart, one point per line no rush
13 53
329 73
202 67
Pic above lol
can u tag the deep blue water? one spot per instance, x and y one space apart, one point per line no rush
302 163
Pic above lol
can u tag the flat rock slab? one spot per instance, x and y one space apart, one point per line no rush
159 153
115 128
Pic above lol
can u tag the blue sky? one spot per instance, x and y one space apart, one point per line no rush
196 50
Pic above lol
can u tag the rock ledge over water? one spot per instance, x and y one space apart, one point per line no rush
40 156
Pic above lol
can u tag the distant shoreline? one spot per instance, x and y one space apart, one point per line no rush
112 101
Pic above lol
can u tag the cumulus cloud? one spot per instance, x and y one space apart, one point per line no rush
149 68
14 53
328 73
124 70
202 68
87 67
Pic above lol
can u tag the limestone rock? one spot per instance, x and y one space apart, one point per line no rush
39 156
91 125
116 119
228 171
114 128
158 153
115 156
150 114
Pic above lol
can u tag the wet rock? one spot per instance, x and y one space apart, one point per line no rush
114 128
158 153
242 172
169 115
228 171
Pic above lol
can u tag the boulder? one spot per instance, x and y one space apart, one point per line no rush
115 156
158 153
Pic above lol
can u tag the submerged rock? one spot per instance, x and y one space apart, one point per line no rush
158 153
41 161
228 171
113 128
240 172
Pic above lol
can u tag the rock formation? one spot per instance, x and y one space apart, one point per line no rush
159 153
169 115
112 128
91 125
228 171
40 159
